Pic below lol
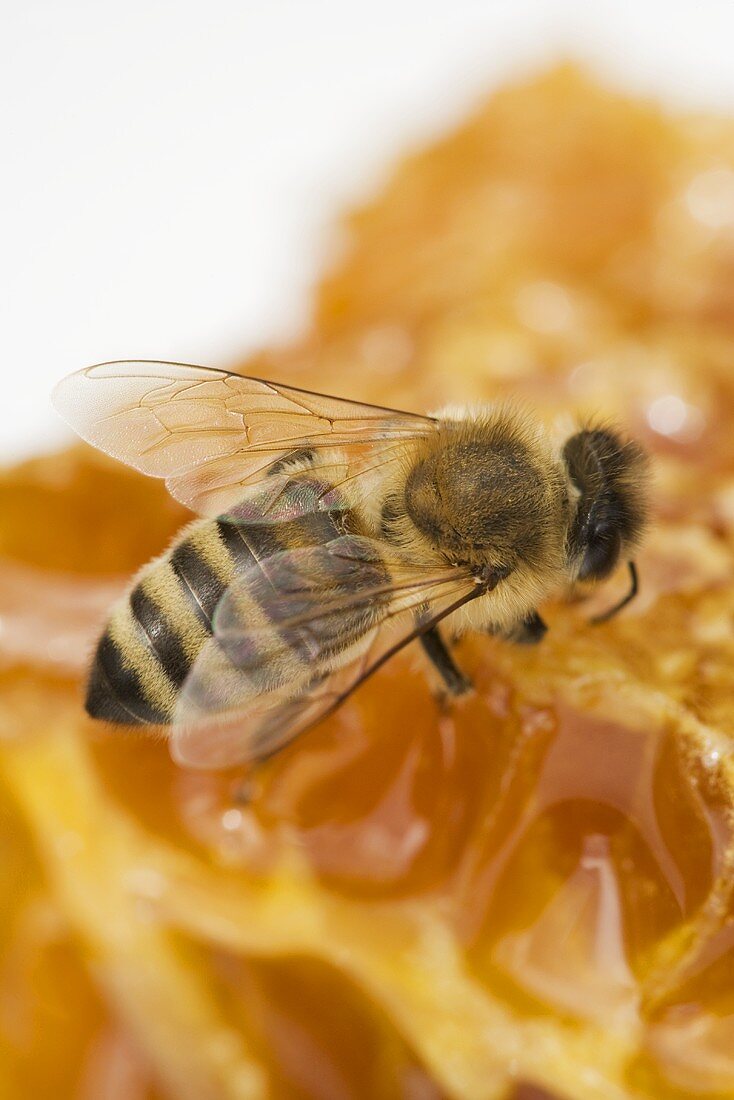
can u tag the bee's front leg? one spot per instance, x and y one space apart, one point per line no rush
455 682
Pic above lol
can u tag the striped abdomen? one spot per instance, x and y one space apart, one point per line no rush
154 636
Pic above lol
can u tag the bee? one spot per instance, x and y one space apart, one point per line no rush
333 534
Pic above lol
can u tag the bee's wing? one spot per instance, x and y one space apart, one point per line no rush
294 636
213 434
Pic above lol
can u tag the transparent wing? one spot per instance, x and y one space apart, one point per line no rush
294 636
213 434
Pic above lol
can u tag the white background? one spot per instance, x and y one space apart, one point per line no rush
169 171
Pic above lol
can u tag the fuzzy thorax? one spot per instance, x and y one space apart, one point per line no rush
488 489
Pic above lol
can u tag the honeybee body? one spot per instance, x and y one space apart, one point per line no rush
337 533
156 633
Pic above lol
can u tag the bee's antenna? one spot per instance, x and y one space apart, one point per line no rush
634 588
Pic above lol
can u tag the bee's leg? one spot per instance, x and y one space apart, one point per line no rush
529 631
434 647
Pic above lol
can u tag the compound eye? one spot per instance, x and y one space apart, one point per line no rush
602 553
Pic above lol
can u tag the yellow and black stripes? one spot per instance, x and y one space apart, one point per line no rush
115 689
164 643
154 636
201 586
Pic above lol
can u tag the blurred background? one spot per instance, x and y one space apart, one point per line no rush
173 173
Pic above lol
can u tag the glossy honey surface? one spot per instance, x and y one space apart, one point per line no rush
528 894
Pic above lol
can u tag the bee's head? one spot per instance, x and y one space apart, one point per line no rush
610 475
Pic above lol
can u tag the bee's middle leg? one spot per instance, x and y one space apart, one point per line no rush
435 648
529 631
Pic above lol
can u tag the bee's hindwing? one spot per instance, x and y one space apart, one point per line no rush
292 639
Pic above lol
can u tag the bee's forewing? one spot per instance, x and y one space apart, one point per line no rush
295 638
213 434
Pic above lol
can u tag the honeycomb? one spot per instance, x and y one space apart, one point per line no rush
527 895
